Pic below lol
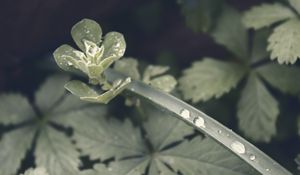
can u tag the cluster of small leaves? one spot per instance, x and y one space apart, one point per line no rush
152 75
95 58
257 109
167 150
284 42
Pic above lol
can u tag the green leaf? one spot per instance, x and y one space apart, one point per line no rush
152 71
265 15
36 171
14 146
129 67
86 29
98 169
64 55
259 46
284 78
14 109
200 14
50 92
114 45
295 4
204 156
163 130
257 111
165 83
102 138
284 43
80 89
56 153
135 166
231 33
209 78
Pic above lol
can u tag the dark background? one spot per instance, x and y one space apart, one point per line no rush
154 30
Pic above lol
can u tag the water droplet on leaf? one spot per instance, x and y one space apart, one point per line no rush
238 147
252 157
185 113
199 121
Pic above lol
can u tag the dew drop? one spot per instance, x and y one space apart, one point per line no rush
267 169
199 121
185 113
220 131
252 157
238 147
69 63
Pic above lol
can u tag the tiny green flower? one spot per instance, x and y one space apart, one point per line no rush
96 54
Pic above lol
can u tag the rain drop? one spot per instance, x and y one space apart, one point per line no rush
252 157
219 131
185 113
199 121
238 147
267 169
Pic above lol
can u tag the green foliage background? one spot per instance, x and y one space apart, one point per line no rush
253 88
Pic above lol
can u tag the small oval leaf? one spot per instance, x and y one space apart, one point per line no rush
114 45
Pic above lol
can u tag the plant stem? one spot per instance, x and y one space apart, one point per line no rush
239 146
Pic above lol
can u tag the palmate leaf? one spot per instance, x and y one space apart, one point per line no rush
104 138
36 171
54 150
284 42
231 33
259 46
257 111
265 15
284 78
98 169
209 78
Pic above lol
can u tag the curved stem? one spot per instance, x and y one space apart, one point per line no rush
202 122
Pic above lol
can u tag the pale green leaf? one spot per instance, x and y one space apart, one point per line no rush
205 157
163 129
284 78
259 46
36 171
14 109
14 146
257 111
80 89
51 92
114 45
200 14
69 103
134 166
152 71
157 167
209 78
165 83
266 14
284 43
98 169
231 33
295 4
86 29
129 67
64 56
56 153
99 137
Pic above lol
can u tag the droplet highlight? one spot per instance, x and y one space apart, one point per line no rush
238 147
185 113
252 157
199 121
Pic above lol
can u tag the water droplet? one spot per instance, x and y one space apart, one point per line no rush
267 169
185 113
238 147
252 157
69 63
199 121
219 131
